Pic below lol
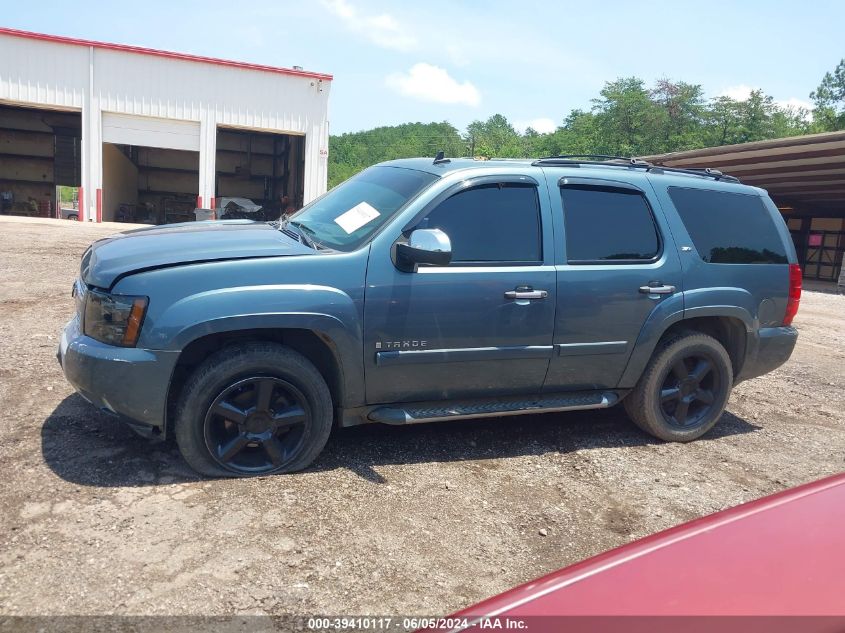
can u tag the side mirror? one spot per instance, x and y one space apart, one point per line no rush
426 247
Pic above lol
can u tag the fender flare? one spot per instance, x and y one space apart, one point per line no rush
333 316
656 326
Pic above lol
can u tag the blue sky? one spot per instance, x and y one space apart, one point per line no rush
437 60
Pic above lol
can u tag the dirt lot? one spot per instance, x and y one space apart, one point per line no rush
420 520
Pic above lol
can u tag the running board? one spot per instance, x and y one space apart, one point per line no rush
416 412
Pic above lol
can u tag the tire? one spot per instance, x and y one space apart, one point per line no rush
73 217
253 409
656 404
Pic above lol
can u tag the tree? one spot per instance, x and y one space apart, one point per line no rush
578 135
723 121
682 110
350 153
729 121
533 143
756 113
495 137
829 99
789 121
626 119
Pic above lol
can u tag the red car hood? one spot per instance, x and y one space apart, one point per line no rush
782 555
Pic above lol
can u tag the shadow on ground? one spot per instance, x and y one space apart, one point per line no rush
87 447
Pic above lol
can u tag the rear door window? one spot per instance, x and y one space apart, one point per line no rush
729 228
606 224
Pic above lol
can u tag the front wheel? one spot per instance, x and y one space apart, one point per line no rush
253 409
684 388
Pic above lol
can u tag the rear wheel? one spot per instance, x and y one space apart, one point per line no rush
253 409
684 388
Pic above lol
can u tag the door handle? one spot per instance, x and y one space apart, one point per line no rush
657 289
526 294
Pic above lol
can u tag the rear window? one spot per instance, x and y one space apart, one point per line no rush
729 228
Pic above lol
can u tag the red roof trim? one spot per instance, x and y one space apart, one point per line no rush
157 53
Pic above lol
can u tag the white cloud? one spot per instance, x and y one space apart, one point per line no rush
738 93
742 92
543 125
795 103
432 83
383 29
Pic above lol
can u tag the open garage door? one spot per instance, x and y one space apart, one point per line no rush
124 129
259 175
150 169
149 185
40 153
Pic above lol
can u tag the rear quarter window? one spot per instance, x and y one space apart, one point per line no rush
729 228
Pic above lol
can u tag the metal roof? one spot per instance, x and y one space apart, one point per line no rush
159 53
802 171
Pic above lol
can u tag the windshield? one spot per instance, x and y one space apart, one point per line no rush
346 217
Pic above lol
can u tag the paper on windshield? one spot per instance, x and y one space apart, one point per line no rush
356 217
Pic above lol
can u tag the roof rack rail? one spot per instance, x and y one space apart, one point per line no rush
698 171
594 159
575 160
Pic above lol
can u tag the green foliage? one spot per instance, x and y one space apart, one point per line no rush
755 119
67 194
350 153
681 115
494 137
627 119
829 99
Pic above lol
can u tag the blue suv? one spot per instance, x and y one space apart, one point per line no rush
425 290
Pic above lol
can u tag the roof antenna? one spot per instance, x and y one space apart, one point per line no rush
439 159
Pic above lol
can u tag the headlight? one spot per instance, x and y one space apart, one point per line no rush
114 319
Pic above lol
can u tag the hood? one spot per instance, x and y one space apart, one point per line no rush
190 242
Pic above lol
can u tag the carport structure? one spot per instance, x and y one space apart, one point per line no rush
805 176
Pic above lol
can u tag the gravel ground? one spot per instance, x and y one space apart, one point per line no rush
418 520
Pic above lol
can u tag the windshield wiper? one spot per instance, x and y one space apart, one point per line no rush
300 229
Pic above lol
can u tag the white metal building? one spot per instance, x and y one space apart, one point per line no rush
147 135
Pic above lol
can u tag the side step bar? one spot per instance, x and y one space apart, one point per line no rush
415 412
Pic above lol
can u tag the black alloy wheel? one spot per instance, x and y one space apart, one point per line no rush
687 394
256 425
684 388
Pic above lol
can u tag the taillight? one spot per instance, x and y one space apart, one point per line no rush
794 294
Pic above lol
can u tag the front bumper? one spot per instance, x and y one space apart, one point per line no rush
125 381
769 350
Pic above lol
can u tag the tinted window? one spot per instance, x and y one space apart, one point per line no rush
729 228
491 223
607 224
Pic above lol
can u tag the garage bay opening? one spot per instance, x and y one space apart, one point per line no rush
40 162
149 185
259 175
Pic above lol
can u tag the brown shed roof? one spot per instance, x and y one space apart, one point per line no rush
807 171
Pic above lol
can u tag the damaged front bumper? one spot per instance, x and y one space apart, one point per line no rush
127 382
